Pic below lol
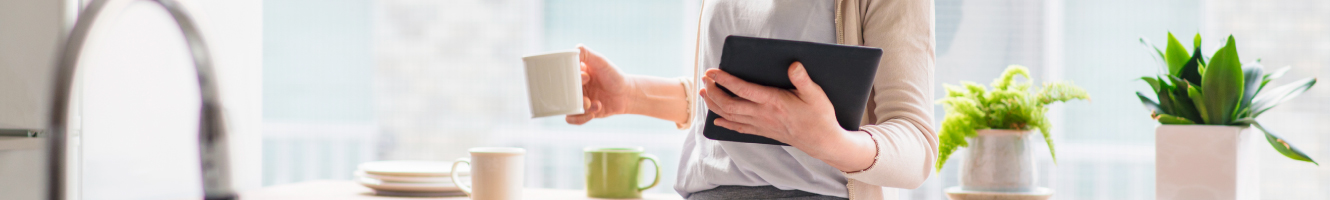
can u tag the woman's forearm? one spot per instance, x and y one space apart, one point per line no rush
848 151
662 98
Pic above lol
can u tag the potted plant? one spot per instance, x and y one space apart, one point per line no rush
995 125
1204 149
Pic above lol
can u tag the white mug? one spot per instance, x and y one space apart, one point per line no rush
554 82
496 173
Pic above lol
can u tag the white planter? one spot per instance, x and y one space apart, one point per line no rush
998 161
1206 162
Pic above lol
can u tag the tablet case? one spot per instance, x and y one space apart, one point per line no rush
845 72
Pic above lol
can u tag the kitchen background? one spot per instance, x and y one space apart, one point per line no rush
347 81
318 86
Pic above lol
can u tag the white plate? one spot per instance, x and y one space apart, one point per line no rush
407 179
407 187
408 168
1039 193
418 194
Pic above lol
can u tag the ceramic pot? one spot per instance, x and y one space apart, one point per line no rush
998 161
1206 162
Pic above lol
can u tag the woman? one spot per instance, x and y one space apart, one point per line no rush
895 147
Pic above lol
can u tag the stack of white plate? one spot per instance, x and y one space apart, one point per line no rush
409 178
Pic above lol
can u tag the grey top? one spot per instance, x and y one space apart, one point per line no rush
706 163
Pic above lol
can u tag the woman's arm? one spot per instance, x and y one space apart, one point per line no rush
901 108
608 92
662 98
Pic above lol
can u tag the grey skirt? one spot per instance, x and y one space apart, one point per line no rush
756 192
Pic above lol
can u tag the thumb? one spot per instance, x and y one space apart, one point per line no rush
803 85
591 58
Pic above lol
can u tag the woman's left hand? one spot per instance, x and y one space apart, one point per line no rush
800 117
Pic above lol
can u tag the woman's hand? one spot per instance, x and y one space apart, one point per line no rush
796 117
802 117
605 90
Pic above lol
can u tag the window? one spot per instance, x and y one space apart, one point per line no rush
354 81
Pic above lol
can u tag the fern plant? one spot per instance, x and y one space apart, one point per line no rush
1223 91
1010 105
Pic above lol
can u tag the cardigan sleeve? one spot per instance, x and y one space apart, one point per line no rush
899 117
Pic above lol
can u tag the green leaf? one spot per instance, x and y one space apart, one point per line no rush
1277 73
1222 84
1196 41
1280 94
1253 73
1269 77
1166 105
1199 100
1154 82
1060 92
1193 69
1150 105
1280 145
1196 45
1177 55
1049 140
1158 52
1200 70
1170 119
1183 105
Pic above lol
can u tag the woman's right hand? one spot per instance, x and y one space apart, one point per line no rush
605 91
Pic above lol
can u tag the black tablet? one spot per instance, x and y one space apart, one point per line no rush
844 72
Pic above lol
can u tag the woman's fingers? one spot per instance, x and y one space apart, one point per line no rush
752 92
709 87
579 119
586 77
711 105
590 110
737 127
727 103
586 103
594 109
803 85
583 53
592 59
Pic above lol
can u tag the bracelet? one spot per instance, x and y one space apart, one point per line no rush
876 153
690 95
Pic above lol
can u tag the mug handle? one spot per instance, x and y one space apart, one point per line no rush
655 164
453 174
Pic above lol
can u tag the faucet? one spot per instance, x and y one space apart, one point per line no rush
213 152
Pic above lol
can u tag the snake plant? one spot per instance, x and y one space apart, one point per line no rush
1222 91
1010 105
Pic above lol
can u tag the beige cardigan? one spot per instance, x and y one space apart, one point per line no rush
900 115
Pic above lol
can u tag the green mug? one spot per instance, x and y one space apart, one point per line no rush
612 172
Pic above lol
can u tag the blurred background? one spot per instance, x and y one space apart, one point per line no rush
349 81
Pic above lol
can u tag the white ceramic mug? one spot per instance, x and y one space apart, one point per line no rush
554 83
496 173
